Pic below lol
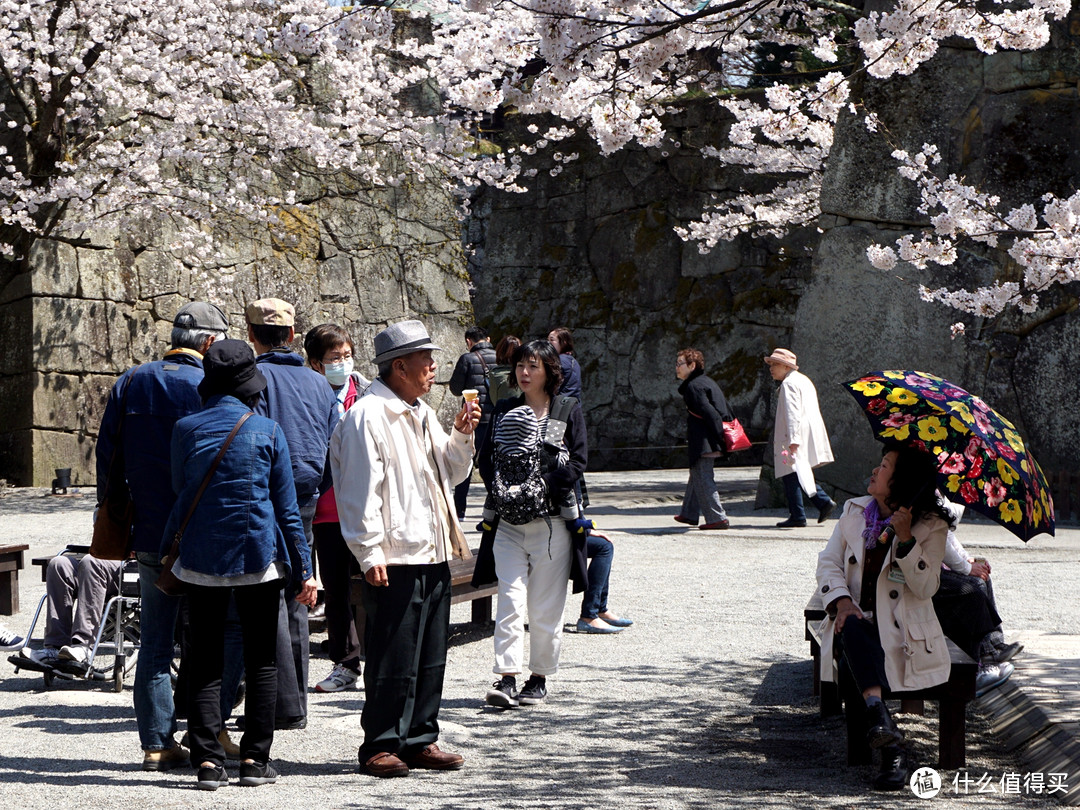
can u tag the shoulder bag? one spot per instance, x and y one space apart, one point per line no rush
167 582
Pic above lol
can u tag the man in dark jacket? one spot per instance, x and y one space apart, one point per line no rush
303 403
471 371
142 408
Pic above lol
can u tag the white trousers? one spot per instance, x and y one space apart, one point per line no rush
530 577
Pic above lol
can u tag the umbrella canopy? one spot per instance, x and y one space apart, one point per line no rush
982 460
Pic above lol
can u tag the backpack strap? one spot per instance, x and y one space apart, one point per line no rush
561 408
483 363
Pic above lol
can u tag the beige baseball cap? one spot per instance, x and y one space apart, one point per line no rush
270 312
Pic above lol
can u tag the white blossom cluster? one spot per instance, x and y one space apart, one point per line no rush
195 111
1046 248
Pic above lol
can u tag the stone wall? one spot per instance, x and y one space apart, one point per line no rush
593 249
72 319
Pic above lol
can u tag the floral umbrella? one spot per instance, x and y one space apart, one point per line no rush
982 461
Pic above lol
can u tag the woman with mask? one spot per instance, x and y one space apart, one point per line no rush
329 351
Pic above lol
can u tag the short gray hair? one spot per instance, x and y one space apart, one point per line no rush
184 338
386 369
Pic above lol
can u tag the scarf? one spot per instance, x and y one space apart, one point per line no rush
875 524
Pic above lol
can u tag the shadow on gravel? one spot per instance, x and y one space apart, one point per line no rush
40 502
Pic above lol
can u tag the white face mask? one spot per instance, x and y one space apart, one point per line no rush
338 373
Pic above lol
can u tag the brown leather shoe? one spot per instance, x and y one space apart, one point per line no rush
435 760
384 765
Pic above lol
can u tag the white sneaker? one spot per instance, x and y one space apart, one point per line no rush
46 656
991 676
9 642
75 652
341 678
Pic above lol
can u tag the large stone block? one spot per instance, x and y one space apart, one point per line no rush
16 336
380 282
16 402
108 273
853 320
54 450
56 269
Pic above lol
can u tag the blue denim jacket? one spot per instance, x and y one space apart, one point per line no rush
247 518
160 393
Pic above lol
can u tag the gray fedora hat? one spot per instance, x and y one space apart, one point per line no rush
399 339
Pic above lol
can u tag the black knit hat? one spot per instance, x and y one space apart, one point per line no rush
229 368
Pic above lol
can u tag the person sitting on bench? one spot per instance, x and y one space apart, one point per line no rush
76 591
965 607
876 586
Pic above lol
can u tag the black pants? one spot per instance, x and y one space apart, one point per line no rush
965 608
293 642
338 566
405 636
860 645
257 606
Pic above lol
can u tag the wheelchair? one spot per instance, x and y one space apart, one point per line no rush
117 636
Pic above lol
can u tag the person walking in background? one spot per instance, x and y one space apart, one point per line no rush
501 379
301 401
394 469
563 341
143 406
706 411
242 539
473 370
800 441
329 350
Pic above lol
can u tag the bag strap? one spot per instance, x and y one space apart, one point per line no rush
482 362
209 475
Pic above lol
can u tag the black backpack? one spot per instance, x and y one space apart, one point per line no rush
518 491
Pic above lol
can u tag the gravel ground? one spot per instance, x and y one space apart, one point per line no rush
705 702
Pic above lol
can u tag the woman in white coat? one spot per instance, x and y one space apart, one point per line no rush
877 587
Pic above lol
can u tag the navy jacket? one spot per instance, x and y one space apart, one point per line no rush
707 410
247 518
469 373
571 373
303 403
161 392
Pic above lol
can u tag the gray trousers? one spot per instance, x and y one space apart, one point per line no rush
77 590
701 498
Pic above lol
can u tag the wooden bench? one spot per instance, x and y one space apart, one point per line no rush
461 590
952 698
11 562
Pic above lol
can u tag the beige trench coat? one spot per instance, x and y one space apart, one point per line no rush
798 421
916 655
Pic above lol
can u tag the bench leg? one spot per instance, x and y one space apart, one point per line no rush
909 706
951 729
9 593
830 703
481 610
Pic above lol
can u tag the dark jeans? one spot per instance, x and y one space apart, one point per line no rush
461 491
794 495
861 647
600 552
965 608
338 565
405 636
257 607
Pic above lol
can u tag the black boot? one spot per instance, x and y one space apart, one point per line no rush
882 729
894 769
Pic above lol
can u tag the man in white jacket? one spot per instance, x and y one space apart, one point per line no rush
394 471
800 441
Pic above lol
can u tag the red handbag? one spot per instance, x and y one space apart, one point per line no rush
735 437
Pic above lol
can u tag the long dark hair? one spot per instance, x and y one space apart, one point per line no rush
566 340
914 484
505 350
546 354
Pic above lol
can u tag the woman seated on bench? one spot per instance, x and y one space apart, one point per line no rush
877 589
